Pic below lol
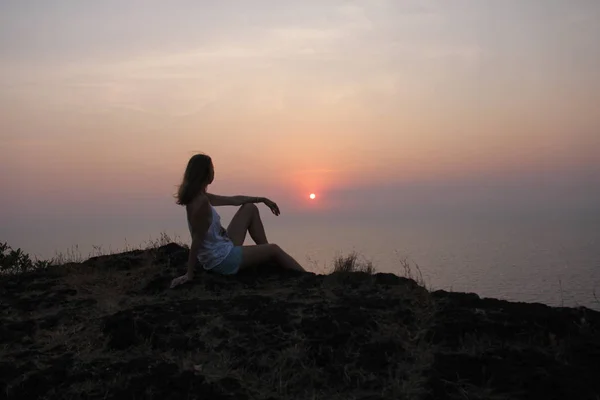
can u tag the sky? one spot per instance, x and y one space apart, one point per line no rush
373 105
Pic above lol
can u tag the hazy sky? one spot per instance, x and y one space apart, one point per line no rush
103 102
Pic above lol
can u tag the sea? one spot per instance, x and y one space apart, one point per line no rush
553 259
548 261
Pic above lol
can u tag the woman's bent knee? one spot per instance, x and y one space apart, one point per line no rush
276 251
251 207
275 248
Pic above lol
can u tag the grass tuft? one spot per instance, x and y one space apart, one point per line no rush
409 271
352 263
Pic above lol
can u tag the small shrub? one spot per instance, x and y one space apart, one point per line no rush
16 261
351 263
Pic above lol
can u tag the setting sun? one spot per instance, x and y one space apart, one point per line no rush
312 196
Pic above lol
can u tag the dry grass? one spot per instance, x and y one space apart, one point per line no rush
70 255
352 263
410 271
355 262
162 240
74 255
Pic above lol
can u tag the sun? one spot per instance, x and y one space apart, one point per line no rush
312 196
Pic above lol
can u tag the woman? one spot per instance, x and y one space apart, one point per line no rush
217 249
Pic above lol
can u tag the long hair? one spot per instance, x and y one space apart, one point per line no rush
196 177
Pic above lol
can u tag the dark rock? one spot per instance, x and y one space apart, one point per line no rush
278 334
10 331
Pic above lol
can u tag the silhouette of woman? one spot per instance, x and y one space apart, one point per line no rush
217 249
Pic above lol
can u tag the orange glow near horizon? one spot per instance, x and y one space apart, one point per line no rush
293 107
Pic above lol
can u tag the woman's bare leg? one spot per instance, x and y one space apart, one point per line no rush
253 256
247 219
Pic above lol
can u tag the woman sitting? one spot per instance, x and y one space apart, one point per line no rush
217 249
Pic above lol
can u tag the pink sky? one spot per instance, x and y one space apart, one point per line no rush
101 104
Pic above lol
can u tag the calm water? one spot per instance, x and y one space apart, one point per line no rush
553 260
552 265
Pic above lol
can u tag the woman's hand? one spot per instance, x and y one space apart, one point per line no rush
181 280
272 205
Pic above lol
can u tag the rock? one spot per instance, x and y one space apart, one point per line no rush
111 328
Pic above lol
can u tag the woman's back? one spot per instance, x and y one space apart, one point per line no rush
215 246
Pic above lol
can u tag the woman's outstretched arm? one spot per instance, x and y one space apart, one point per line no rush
217 200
